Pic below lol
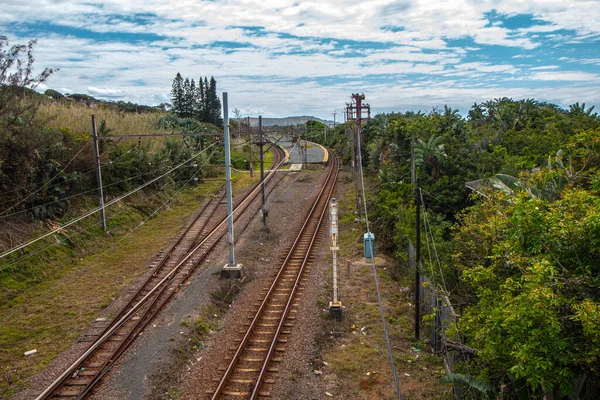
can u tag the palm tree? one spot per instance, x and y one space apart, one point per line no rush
430 153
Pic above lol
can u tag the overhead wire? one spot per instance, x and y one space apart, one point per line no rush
47 183
95 210
427 235
37 251
379 299
156 210
426 219
75 195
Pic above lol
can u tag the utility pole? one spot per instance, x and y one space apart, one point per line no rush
262 171
413 173
353 152
98 174
251 166
334 113
231 269
418 262
354 113
358 99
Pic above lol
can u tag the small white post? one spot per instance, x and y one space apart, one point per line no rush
335 307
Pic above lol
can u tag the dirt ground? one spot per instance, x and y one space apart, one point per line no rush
179 354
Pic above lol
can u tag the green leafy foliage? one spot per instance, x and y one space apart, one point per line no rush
520 255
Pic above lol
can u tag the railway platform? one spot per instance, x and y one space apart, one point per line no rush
315 153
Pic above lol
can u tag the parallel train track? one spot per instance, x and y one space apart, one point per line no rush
171 271
253 364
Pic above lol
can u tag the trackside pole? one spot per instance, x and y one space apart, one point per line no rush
417 273
98 173
335 307
231 269
262 171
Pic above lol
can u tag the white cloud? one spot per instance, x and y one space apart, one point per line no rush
565 76
310 50
106 92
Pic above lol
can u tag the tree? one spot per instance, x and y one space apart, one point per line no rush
532 307
430 154
214 104
189 95
177 95
205 117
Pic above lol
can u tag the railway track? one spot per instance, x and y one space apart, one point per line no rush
171 271
253 363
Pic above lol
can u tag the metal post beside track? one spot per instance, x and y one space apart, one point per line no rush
231 269
262 171
98 173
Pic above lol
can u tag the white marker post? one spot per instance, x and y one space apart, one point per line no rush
335 306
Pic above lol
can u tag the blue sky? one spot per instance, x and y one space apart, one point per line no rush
279 58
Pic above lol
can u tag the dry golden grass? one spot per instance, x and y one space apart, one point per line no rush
78 118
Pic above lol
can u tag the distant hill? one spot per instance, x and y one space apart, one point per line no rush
288 121
116 105
139 108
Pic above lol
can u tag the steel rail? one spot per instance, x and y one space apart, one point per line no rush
329 183
145 321
323 212
50 390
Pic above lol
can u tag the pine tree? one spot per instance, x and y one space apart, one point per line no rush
205 102
198 98
185 107
215 104
190 99
177 98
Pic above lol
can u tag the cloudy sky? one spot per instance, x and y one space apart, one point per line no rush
280 58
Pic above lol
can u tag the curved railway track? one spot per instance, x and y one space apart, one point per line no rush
253 365
171 271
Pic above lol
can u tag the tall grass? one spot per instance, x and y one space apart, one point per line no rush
78 118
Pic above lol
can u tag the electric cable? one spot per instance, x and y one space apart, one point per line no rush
47 183
28 255
379 299
433 242
75 195
95 210
154 212
428 228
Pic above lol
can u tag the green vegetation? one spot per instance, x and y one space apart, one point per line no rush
47 179
198 102
519 254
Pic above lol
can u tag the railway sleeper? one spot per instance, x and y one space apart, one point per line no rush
67 392
239 394
79 381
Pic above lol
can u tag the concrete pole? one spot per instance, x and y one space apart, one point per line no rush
98 174
228 181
